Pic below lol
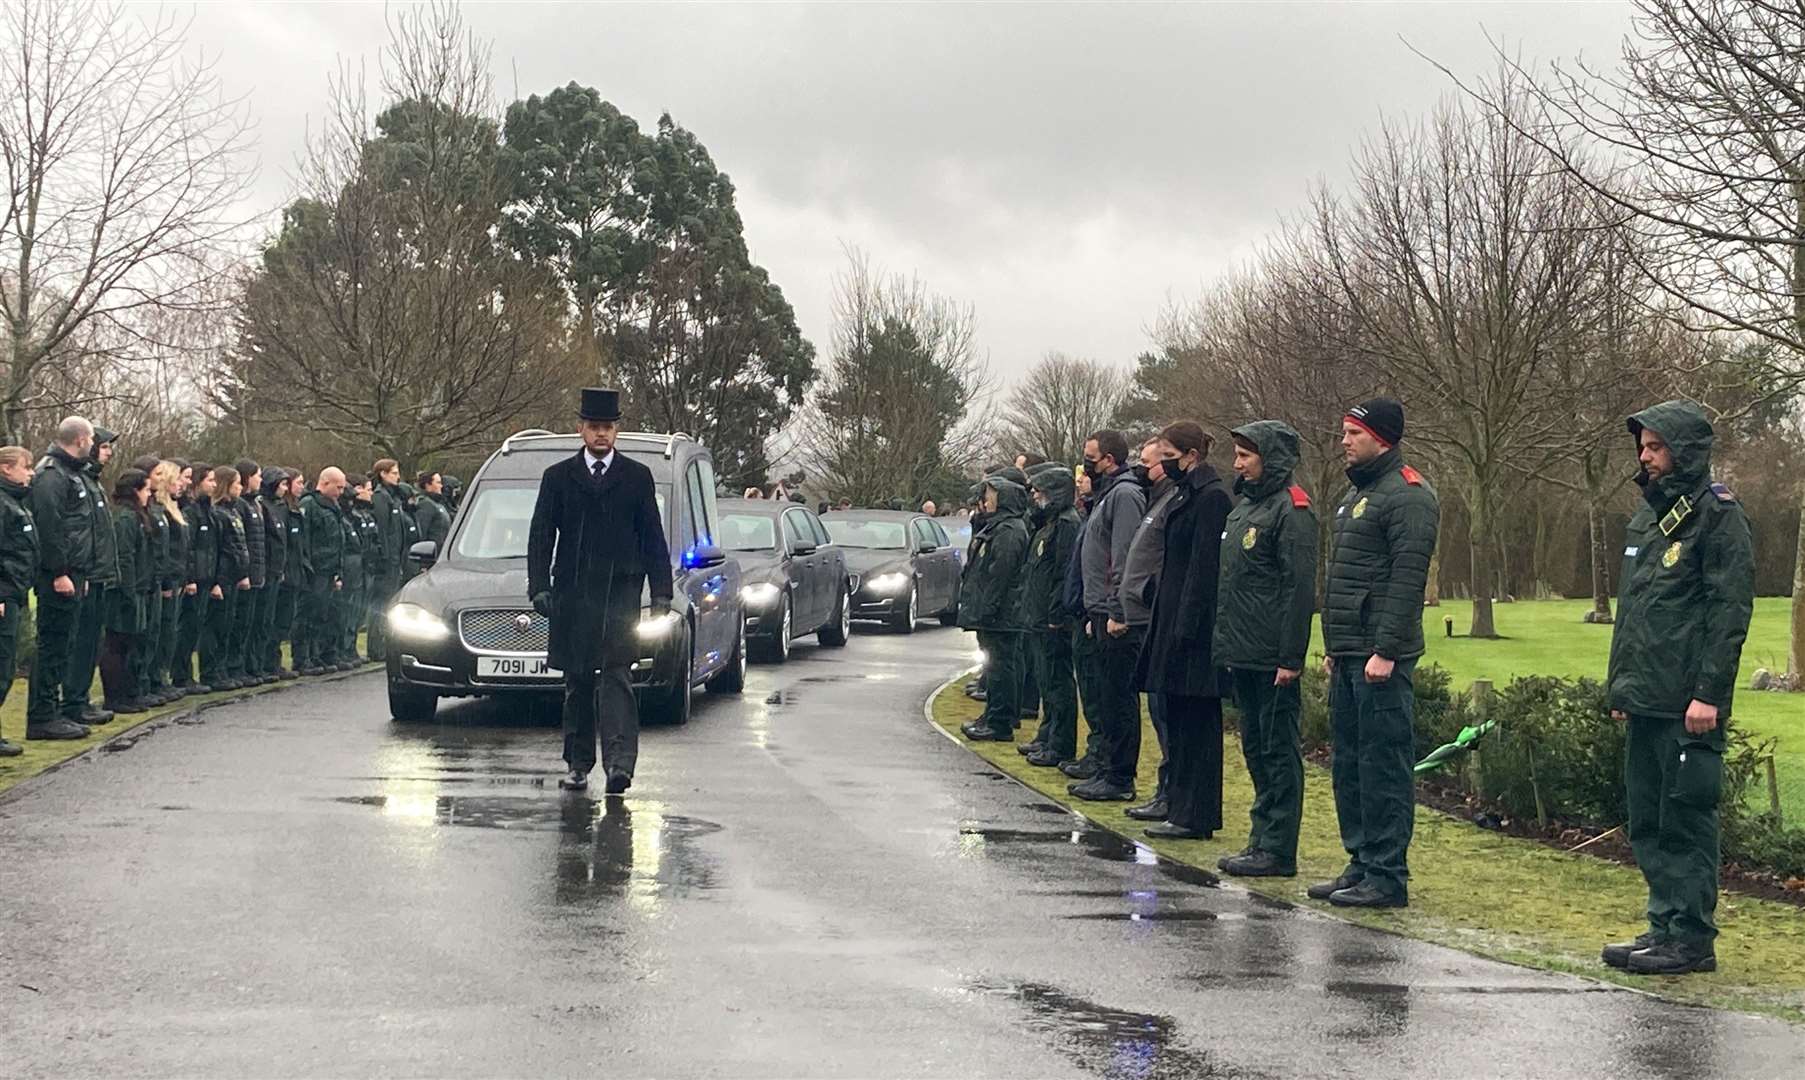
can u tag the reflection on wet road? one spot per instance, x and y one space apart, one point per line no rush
807 880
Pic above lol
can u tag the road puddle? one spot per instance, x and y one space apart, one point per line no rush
1113 1043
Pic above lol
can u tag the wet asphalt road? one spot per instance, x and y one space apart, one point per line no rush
805 881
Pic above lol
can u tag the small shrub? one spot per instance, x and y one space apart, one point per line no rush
1554 739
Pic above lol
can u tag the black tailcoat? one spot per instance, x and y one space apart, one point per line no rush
593 546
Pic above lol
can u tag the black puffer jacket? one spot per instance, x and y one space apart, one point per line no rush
156 547
1268 580
255 540
1050 551
275 533
234 563
1384 536
1688 580
104 570
64 516
203 542
18 543
990 597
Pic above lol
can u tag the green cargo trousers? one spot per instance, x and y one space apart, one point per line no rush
1269 743
1051 651
1674 782
217 633
150 643
355 612
1002 679
1374 770
57 619
84 652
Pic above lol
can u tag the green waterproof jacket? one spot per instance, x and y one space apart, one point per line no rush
990 597
1383 537
64 516
125 601
203 542
392 520
324 528
1266 589
433 518
1050 550
1687 587
157 548
18 543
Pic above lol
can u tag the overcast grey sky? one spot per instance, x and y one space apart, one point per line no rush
1065 168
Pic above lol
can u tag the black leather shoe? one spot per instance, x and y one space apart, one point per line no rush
57 730
1097 789
1672 958
618 783
1153 811
287 674
350 665
10 749
1222 863
197 689
1165 830
574 780
127 708
1324 889
1029 748
1618 955
1045 759
91 716
1368 894
1257 864
312 671
978 732
1082 769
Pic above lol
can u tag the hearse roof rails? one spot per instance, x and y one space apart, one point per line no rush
667 442
507 444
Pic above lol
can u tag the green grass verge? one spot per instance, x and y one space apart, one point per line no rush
1546 637
1485 893
40 756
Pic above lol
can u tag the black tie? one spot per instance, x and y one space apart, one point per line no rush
598 469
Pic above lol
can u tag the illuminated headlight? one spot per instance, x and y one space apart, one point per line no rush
888 583
414 621
760 594
654 627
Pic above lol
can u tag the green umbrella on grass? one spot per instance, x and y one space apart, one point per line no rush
1463 742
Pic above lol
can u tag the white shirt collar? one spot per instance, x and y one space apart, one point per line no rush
589 460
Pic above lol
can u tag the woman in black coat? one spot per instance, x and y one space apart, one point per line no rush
1175 659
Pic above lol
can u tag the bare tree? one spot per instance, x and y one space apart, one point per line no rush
904 393
383 312
1059 403
1470 262
1704 116
123 163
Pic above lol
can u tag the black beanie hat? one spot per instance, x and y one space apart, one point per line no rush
1383 417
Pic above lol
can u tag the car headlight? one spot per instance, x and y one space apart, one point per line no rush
888 583
414 621
760 594
653 627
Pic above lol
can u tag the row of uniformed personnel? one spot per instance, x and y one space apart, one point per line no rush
179 560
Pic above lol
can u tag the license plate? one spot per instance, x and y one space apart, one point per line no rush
515 667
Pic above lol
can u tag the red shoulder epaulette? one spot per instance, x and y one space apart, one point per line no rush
1411 476
1299 497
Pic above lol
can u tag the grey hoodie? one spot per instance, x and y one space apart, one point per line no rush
1120 504
1146 553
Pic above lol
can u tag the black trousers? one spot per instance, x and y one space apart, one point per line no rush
242 648
1090 699
217 636
1052 653
58 617
164 664
599 706
1156 713
1194 740
188 636
282 625
1003 679
1119 702
10 621
84 656
377 598
119 667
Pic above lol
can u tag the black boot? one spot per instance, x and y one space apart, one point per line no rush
1324 889
1368 894
1673 958
1152 811
1618 955
1257 864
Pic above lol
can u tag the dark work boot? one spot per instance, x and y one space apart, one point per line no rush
1673 958
1098 789
91 716
978 731
10 749
1083 769
1618 955
1152 811
1368 894
1166 830
1045 759
58 729
1222 863
1258 864
1322 890
1030 748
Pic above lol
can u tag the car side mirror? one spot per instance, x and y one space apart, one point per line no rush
926 547
426 552
705 555
804 549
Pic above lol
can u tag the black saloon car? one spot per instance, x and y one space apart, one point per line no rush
794 574
904 566
464 627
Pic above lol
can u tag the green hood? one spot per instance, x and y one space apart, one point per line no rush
1683 427
1057 484
1012 498
1277 445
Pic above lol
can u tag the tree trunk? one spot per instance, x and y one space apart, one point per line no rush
1432 591
1601 572
1795 656
1479 543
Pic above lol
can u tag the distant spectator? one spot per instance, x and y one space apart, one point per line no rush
930 509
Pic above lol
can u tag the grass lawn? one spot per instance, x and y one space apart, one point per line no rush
1471 889
1546 637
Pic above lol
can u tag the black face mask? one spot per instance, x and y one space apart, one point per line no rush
1093 469
1140 473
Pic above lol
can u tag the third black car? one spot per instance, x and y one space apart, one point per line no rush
904 566
795 579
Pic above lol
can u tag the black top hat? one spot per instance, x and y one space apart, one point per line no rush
599 403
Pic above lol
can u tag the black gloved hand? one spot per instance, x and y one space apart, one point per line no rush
542 603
